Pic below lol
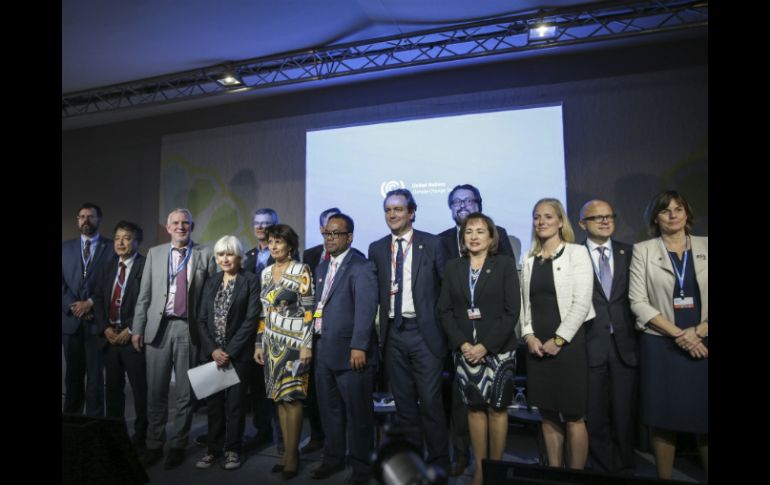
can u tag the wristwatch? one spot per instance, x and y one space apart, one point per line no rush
559 341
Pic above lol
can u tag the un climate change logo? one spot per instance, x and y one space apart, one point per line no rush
389 185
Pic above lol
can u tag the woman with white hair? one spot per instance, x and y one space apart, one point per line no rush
230 308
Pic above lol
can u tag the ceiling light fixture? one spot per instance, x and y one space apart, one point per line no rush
542 32
229 78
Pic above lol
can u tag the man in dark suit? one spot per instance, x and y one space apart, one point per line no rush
114 301
345 349
410 265
463 200
258 258
166 327
81 260
612 345
312 257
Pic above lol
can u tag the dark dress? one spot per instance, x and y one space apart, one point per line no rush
674 386
555 383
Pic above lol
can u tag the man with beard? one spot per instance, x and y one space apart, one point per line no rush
166 329
463 200
81 261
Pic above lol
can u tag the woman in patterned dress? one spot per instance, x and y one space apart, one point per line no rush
285 337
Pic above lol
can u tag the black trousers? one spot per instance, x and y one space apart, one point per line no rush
84 378
227 413
119 361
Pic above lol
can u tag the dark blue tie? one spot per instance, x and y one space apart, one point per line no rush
399 279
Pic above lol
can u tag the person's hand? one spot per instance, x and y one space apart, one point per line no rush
688 339
475 353
123 337
357 359
550 348
137 341
109 332
81 308
220 357
699 351
535 346
305 356
259 355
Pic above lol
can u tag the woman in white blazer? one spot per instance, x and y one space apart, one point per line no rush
557 289
669 295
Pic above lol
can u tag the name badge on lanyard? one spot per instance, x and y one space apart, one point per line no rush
681 303
394 288
474 314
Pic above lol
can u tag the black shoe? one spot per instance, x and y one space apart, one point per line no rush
312 446
277 468
325 471
139 443
355 481
174 459
259 440
151 457
289 474
202 440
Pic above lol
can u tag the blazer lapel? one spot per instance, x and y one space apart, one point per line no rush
337 276
659 257
463 277
417 250
619 272
486 271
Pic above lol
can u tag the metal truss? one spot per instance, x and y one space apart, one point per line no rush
576 25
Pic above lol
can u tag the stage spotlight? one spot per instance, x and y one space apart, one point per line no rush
542 32
229 78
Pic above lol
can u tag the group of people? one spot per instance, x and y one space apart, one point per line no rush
609 330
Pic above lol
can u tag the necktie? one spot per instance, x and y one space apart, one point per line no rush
326 255
86 256
115 302
605 274
317 325
180 297
399 280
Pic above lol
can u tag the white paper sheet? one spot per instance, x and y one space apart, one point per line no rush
207 379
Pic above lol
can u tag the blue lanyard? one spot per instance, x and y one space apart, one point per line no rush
680 276
473 282
172 272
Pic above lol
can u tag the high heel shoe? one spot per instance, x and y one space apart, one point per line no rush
276 468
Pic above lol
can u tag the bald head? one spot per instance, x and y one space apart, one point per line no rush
597 219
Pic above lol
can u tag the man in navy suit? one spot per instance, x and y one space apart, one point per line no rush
410 265
463 200
612 345
81 260
114 301
345 349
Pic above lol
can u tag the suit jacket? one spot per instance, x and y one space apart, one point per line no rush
312 257
573 278
428 261
103 293
348 313
449 240
614 308
153 291
242 317
652 280
250 261
497 296
73 286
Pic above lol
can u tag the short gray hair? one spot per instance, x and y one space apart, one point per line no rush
181 210
229 245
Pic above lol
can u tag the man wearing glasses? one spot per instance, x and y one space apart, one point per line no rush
612 345
463 200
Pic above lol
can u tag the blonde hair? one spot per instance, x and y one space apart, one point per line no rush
566 233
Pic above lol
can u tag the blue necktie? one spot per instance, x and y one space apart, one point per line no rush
399 279
605 275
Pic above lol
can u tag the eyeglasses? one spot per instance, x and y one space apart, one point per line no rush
465 202
262 224
334 235
608 217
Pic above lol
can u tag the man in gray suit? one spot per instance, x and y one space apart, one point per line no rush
166 326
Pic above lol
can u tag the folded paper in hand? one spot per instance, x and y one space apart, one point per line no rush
207 379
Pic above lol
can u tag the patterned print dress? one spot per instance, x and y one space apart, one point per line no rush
287 326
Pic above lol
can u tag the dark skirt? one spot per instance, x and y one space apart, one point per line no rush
674 386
